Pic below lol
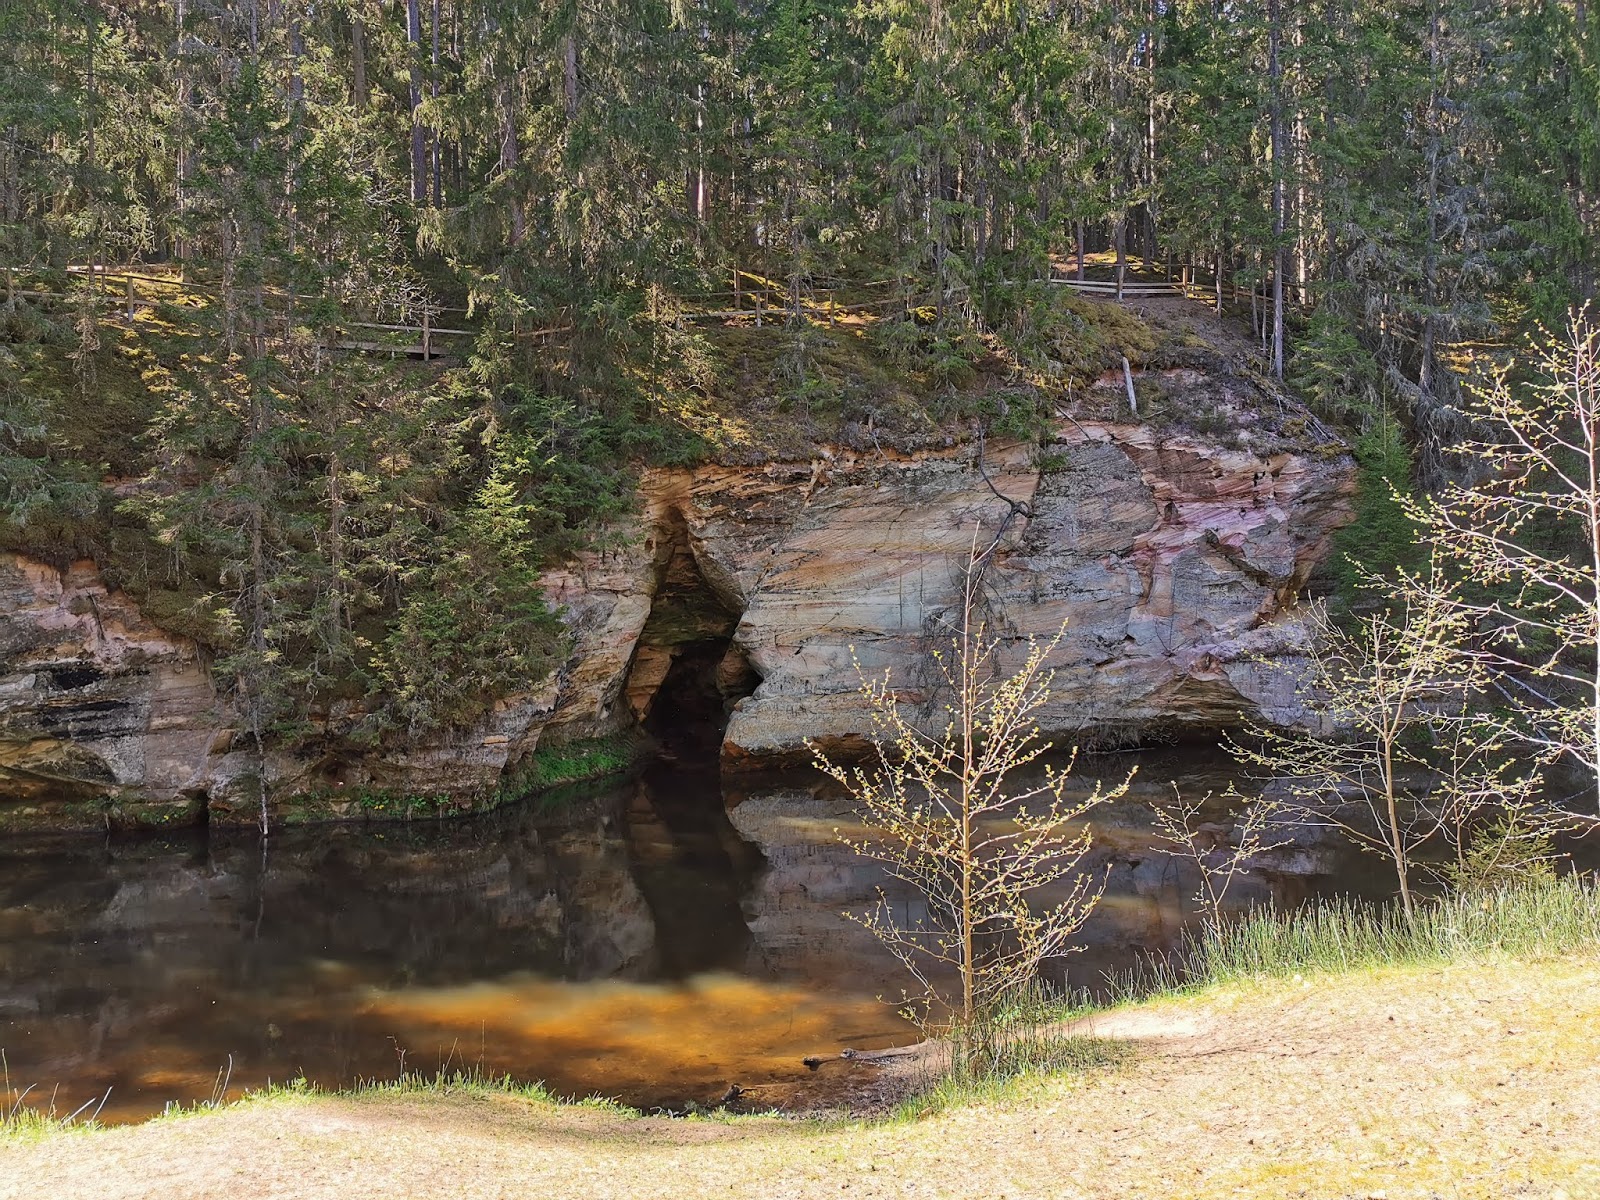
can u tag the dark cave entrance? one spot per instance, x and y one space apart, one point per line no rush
687 673
689 862
691 865
690 710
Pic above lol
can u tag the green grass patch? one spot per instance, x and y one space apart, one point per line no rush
870 382
547 770
23 1119
1004 1071
996 1057
26 1124
574 762
1523 921
472 1083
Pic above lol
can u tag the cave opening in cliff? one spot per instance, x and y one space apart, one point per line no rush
700 682
689 714
687 671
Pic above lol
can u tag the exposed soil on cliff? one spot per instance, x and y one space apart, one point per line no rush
1463 1081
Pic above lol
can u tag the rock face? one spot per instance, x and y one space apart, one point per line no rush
1173 558
1169 562
96 702
107 719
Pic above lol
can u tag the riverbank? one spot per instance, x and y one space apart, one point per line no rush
1475 1078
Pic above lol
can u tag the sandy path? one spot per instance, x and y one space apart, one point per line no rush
1467 1081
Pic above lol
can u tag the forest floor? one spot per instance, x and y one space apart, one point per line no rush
1469 1080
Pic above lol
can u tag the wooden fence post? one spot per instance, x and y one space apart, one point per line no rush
130 297
427 338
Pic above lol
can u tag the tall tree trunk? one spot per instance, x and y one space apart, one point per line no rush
336 597
569 72
981 211
438 141
91 98
1298 162
297 95
185 162
1430 253
694 183
297 49
358 62
1119 234
1275 75
510 155
419 141
1150 134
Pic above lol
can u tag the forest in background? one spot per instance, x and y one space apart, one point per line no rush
1392 189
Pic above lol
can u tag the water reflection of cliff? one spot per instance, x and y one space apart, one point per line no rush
598 948
794 909
636 943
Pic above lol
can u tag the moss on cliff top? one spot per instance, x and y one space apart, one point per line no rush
779 390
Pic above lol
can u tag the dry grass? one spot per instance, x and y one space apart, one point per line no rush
1470 1080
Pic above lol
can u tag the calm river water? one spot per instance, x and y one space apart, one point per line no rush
642 942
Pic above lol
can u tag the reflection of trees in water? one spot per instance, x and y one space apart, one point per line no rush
136 963
794 907
146 963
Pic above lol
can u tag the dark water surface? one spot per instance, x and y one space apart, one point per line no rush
636 944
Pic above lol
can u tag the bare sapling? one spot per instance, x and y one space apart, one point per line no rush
1528 537
1221 854
1395 755
1000 858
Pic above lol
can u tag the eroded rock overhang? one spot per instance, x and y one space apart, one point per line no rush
1174 563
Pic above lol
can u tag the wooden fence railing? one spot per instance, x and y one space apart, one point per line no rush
129 292
769 298
1192 289
752 297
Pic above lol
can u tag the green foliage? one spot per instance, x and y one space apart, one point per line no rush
1337 375
471 1082
474 624
543 774
1002 1051
26 1117
574 762
1066 338
573 184
476 627
51 505
1382 537
1508 852
387 804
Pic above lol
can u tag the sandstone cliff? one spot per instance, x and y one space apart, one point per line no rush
1173 553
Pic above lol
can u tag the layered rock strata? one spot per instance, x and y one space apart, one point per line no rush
1169 560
